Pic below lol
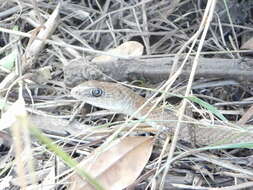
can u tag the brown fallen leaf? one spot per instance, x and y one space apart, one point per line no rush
118 166
130 48
246 116
248 44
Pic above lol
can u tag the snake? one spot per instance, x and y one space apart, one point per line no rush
121 99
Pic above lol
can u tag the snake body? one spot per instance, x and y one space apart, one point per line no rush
118 98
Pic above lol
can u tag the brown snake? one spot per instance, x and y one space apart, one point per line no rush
118 98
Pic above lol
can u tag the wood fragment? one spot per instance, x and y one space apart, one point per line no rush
155 70
246 116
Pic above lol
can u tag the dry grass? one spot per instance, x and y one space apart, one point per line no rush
85 29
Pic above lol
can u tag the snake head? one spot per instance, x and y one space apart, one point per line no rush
106 95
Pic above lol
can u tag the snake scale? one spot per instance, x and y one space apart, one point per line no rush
121 99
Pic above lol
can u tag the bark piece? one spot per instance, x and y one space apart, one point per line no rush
155 70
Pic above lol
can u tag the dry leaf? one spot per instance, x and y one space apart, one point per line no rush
130 48
248 44
10 116
118 166
41 75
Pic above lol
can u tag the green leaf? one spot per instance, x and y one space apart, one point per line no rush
209 107
8 61
65 157
2 104
229 146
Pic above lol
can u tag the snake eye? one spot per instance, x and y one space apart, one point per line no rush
96 92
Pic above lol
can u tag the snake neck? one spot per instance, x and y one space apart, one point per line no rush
139 108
